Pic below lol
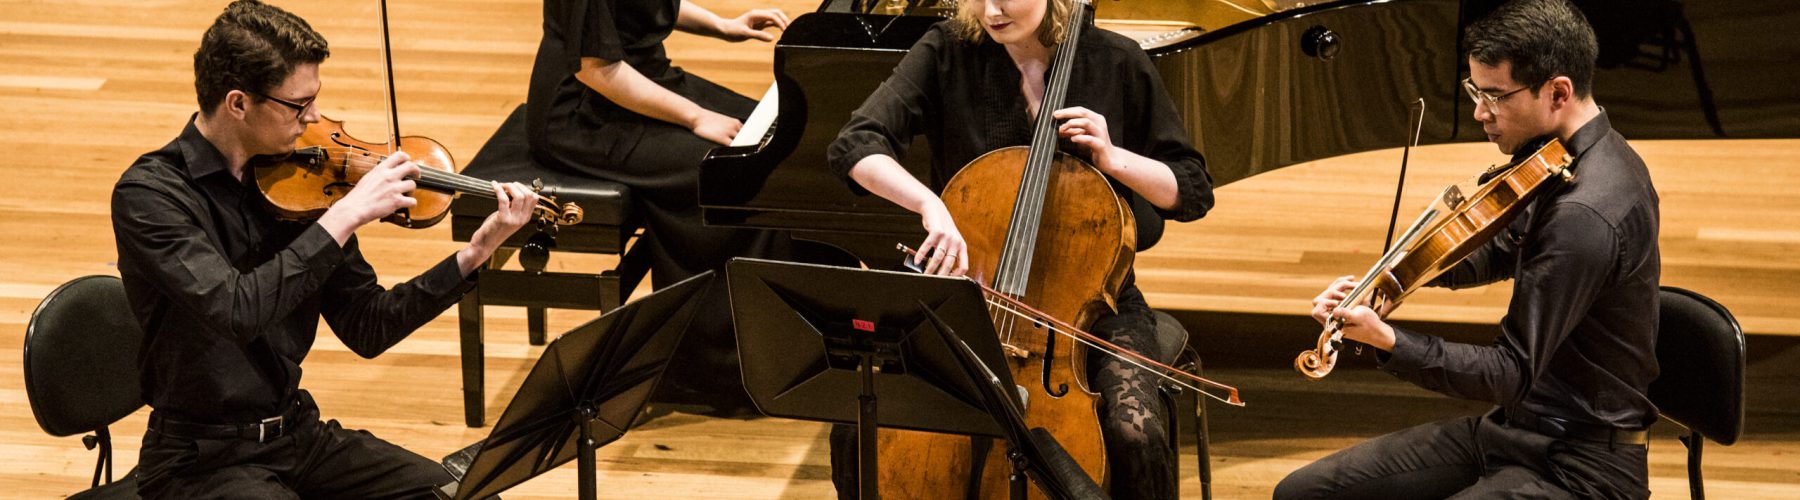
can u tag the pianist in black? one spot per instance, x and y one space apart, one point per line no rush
605 101
1570 369
972 85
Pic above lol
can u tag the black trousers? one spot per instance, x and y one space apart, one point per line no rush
1473 457
661 163
1133 418
313 459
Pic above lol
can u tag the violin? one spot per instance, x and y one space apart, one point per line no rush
327 162
1464 217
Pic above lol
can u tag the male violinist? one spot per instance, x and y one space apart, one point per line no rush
1572 365
230 297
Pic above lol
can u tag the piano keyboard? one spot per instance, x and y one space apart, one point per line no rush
757 126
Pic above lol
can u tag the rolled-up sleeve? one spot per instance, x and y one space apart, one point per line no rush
889 118
1165 139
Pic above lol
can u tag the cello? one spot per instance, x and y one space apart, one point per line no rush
1464 217
1003 202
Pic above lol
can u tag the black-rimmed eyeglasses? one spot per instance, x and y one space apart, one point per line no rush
299 108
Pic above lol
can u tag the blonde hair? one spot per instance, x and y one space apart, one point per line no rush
968 25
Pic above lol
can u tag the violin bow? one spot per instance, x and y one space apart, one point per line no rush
387 70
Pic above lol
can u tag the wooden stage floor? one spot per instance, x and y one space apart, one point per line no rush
89 85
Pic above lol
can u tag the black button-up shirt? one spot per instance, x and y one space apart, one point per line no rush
230 297
1579 339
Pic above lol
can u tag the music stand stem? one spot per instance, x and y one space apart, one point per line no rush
866 471
585 456
1017 478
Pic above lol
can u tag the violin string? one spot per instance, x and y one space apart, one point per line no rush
445 180
448 179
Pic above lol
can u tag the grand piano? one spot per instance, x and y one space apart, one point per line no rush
1262 84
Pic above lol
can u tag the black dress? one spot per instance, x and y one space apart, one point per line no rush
965 99
576 129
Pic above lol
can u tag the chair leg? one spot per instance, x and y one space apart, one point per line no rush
1695 443
1203 452
534 325
103 439
473 361
1169 393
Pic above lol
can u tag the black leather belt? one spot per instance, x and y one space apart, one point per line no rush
262 431
1564 429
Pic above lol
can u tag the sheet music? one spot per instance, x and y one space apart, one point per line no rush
758 125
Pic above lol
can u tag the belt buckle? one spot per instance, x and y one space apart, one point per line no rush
262 428
1553 427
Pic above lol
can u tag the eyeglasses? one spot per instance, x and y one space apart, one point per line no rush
1482 97
300 108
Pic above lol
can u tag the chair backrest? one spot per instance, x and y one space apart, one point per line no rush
81 357
1701 353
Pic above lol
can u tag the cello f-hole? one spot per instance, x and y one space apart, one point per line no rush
1049 356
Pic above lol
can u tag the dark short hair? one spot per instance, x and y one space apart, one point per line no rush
252 47
1543 39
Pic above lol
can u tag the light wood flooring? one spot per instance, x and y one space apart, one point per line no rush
88 85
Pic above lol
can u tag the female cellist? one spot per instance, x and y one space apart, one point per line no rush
972 85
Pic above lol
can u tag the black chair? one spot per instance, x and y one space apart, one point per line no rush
1701 352
1172 341
81 370
607 227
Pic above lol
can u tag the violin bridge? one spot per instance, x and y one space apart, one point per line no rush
1453 196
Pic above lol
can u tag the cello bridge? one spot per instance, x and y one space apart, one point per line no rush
1014 351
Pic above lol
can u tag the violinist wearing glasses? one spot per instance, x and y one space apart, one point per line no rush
230 297
1571 367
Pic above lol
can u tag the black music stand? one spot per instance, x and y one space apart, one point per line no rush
810 337
585 391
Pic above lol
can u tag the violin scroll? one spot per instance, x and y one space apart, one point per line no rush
565 214
1317 363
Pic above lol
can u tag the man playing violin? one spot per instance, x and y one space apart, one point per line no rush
1571 368
972 85
230 297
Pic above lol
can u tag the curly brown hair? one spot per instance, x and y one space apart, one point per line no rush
967 22
252 47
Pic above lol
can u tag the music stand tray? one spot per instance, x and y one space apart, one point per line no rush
820 342
584 392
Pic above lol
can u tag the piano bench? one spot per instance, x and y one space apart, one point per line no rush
607 227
